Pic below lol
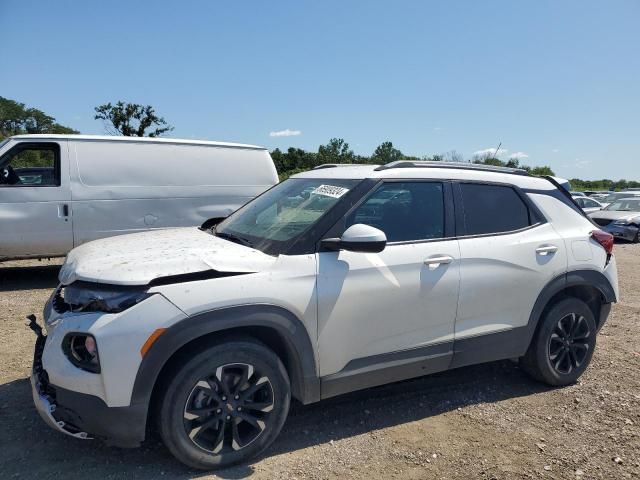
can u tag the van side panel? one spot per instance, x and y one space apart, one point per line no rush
120 188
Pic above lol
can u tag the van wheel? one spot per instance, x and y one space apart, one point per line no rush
225 405
563 345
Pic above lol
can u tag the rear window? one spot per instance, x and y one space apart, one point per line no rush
493 209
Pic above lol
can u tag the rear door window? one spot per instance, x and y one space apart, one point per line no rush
491 209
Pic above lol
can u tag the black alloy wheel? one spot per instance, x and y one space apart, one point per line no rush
228 410
563 343
223 402
569 343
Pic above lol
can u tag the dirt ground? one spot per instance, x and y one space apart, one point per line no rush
488 421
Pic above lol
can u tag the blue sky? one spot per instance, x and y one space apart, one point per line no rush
557 81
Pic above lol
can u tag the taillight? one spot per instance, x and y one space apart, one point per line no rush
605 239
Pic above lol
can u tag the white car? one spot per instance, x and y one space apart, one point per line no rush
588 205
615 196
338 279
60 191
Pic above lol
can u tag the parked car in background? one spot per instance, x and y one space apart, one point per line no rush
613 196
60 191
590 193
587 204
577 194
335 280
621 218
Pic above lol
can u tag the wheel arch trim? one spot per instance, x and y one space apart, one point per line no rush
286 325
573 278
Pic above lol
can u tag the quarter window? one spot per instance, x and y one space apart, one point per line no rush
493 209
404 211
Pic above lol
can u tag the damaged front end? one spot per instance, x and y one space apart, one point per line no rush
44 395
82 296
93 297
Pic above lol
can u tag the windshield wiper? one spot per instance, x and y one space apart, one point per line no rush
233 238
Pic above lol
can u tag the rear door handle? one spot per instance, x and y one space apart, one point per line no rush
546 249
435 262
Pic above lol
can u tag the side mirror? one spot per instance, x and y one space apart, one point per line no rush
358 238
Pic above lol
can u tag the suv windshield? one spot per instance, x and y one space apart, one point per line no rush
277 218
625 205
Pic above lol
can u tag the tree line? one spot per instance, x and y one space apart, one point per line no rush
16 119
296 160
132 119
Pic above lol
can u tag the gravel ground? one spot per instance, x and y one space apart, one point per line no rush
488 421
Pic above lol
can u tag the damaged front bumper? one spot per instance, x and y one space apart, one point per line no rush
81 415
43 395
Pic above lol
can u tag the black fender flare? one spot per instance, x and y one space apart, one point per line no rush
574 278
303 371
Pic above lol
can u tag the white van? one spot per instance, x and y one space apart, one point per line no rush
59 191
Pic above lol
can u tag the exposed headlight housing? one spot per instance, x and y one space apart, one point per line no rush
621 222
93 297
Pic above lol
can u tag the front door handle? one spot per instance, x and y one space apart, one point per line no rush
436 261
546 249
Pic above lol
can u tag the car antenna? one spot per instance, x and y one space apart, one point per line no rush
497 150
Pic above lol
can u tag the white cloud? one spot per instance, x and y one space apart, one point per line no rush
437 129
491 151
555 150
581 163
518 155
285 133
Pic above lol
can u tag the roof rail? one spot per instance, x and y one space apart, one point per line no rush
454 165
333 165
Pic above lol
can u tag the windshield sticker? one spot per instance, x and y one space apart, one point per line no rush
330 191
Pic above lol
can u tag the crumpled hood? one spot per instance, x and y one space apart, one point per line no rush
614 215
139 258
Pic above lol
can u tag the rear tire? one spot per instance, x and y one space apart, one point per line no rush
224 405
563 344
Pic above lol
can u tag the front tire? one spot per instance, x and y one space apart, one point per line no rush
563 344
224 405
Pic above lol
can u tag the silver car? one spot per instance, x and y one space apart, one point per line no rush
587 204
621 218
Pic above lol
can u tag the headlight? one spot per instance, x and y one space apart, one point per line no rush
91 297
621 222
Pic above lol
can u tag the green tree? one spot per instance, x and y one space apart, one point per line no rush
385 153
336 151
540 171
16 119
496 162
131 120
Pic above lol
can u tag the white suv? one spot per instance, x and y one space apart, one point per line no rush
338 279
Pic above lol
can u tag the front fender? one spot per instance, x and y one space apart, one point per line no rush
303 371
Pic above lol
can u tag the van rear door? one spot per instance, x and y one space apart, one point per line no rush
35 199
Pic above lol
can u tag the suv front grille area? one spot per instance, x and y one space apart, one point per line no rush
603 222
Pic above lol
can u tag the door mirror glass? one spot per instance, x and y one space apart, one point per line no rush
358 238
